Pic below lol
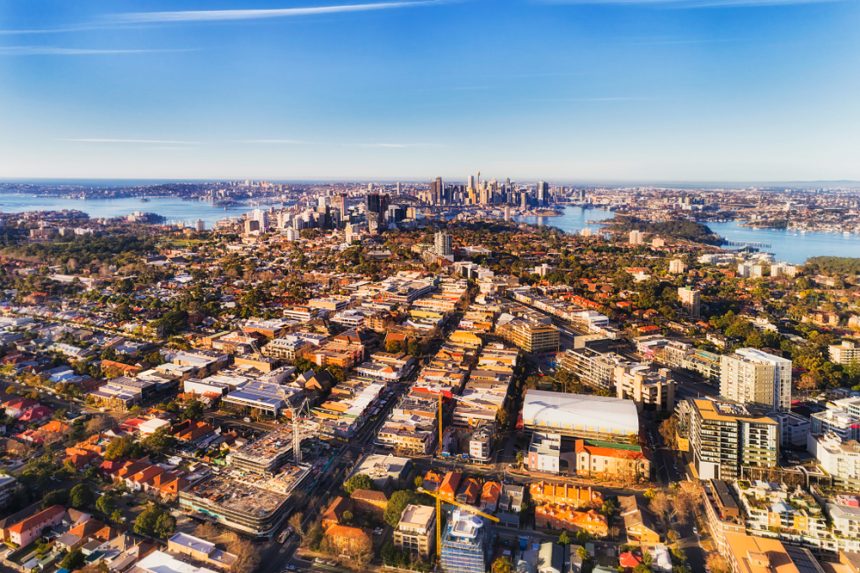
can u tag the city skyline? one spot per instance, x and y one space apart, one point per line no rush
657 90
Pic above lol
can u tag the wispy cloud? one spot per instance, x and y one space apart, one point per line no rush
62 51
274 141
360 144
597 99
691 3
385 145
259 14
122 141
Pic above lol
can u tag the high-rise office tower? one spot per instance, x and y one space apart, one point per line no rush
437 191
542 193
339 202
377 205
752 376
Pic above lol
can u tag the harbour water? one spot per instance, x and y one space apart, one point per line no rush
174 209
786 245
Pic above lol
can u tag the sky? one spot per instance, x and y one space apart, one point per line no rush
558 90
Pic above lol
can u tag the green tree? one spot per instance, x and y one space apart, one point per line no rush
501 565
396 504
73 560
192 411
564 538
124 447
358 481
106 503
159 441
81 496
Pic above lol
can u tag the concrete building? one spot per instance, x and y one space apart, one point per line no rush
442 244
530 334
724 436
845 353
752 554
416 530
754 377
677 266
466 544
691 300
839 459
649 388
841 417
200 550
544 453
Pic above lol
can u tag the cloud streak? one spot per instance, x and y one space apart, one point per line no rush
690 4
122 141
61 51
259 14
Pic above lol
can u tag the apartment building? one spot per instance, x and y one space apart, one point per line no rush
845 353
649 388
592 367
415 530
841 417
725 436
530 333
752 376
840 459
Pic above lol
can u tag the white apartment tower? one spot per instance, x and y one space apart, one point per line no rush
752 376
443 244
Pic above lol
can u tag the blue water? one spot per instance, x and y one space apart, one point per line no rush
573 220
791 246
173 209
786 245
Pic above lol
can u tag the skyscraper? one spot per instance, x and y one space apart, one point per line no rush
377 205
437 191
339 203
542 193
752 376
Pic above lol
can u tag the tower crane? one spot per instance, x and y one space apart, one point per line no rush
441 395
455 503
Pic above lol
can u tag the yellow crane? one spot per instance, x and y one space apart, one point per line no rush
441 395
455 503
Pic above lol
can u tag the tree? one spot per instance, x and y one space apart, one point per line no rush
154 522
358 481
661 506
73 560
717 563
55 497
564 538
502 565
295 522
80 496
165 525
159 441
668 430
192 411
396 504
124 447
347 517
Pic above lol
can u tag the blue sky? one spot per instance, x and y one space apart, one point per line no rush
599 90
